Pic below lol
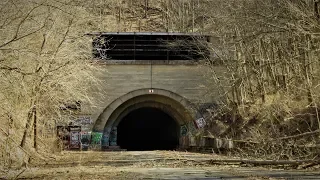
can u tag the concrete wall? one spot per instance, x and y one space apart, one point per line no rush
187 80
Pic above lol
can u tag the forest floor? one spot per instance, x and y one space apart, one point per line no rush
147 165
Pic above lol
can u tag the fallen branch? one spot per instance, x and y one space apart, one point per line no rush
299 135
282 138
242 141
263 162
308 165
20 173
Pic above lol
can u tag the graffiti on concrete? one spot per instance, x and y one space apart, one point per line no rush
192 127
96 137
200 122
85 137
74 140
113 136
105 140
183 130
106 137
82 120
75 137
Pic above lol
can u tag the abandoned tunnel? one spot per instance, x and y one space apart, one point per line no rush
148 128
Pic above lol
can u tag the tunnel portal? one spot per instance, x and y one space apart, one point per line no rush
144 120
148 128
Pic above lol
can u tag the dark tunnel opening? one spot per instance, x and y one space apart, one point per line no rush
148 129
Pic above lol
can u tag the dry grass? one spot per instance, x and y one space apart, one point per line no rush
104 165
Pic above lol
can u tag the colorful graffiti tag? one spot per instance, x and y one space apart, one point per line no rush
106 137
96 138
105 140
75 137
85 139
200 122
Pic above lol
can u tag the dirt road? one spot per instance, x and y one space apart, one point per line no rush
146 165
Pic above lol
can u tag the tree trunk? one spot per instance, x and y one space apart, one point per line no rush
146 6
29 124
316 9
26 129
35 128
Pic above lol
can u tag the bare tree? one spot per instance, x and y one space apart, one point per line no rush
270 50
44 64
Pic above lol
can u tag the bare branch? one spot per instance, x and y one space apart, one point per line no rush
16 36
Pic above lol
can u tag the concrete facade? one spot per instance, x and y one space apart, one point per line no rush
177 89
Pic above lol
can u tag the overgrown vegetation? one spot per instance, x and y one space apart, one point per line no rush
269 48
271 52
44 64
269 91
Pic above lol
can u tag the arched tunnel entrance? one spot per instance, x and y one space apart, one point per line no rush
148 128
145 120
